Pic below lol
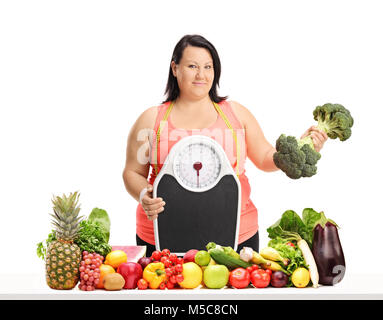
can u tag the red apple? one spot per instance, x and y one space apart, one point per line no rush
131 272
189 255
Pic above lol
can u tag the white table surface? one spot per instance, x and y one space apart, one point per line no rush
353 286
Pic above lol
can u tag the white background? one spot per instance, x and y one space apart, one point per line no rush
75 75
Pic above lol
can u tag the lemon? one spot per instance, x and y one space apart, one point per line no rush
300 277
115 258
192 274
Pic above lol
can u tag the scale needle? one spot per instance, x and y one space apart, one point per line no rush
197 166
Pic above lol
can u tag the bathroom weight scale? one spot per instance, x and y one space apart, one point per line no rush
202 195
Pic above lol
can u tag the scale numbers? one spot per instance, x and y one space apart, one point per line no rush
197 165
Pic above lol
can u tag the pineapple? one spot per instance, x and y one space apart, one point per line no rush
63 255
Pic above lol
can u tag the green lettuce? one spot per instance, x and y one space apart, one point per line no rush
101 216
292 224
294 254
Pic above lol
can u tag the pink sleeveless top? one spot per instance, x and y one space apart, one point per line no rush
219 132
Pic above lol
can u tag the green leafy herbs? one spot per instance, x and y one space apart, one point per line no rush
93 238
292 227
42 247
93 235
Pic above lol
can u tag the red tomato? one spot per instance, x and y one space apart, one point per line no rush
173 257
269 272
156 255
167 263
178 268
142 284
169 285
260 278
164 259
173 279
254 267
179 278
290 244
165 252
168 272
239 278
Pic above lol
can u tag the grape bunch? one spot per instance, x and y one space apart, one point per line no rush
90 270
173 267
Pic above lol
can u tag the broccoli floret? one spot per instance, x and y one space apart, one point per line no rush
298 158
335 120
307 147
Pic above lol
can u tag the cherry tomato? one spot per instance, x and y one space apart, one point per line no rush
173 257
168 263
173 268
178 268
173 279
164 259
180 261
179 278
239 278
260 278
162 286
290 244
156 255
169 285
142 284
165 252
168 272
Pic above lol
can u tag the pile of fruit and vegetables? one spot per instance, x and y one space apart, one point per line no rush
302 252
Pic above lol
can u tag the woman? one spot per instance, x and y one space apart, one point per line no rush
192 106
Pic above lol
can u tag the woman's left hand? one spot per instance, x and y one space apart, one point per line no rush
319 137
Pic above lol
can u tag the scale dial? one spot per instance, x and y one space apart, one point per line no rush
197 166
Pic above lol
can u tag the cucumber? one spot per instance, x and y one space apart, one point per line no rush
220 257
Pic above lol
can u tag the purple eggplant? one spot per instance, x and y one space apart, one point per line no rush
327 252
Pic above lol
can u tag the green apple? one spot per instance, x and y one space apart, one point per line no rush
216 276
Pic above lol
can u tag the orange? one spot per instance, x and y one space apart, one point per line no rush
115 258
104 270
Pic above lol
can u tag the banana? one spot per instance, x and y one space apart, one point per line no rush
272 254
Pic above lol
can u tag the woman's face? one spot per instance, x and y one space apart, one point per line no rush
194 73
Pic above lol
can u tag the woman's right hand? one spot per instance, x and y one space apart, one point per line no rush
152 207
